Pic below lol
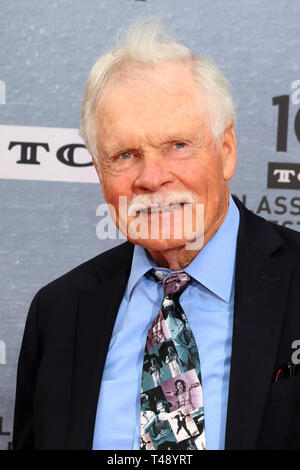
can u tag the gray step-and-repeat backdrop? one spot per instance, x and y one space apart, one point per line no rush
49 190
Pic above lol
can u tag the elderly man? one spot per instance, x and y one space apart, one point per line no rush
159 123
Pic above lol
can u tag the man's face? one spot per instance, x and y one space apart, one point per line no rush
179 387
155 142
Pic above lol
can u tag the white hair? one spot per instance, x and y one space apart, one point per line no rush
146 43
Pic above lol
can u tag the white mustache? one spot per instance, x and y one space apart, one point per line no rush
159 202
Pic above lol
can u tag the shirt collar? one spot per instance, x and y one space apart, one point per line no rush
214 265
141 264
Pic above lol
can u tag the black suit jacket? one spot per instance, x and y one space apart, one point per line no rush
70 323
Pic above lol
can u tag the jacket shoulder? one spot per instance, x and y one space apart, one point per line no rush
287 234
268 236
89 274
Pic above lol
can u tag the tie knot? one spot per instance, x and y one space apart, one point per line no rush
172 283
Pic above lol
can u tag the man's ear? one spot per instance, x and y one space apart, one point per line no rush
228 151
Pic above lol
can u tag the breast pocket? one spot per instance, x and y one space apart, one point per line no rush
285 389
280 426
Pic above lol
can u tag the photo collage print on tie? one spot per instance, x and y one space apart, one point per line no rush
172 413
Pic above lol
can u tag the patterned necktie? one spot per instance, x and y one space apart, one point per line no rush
172 414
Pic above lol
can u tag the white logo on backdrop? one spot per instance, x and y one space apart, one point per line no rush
2 92
46 154
2 352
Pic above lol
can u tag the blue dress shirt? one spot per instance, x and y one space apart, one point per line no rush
208 303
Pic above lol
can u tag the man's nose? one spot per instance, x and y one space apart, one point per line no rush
153 173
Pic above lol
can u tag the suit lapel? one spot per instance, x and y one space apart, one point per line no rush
261 289
260 296
97 311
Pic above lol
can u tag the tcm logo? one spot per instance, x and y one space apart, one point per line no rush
65 154
284 175
2 352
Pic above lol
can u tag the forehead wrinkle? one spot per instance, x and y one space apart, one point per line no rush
180 121
155 141
178 135
121 145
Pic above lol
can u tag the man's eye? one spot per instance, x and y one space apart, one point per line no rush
179 145
125 155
